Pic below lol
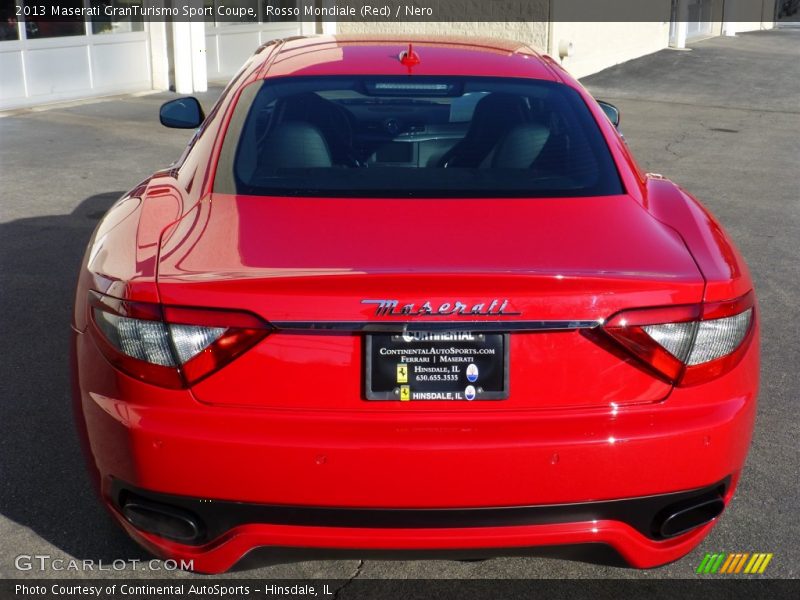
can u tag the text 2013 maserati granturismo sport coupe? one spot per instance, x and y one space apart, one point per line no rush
412 296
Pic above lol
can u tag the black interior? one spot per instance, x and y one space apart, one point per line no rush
483 137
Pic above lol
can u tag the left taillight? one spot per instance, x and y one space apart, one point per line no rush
171 346
688 344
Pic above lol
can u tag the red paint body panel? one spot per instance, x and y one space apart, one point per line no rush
636 549
417 460
165 440
562 258
567 267
286 423
574 237
545 379
723 267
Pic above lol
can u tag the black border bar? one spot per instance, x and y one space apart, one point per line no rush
406 11
652 588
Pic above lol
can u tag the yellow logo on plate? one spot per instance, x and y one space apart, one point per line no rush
405 393
402 373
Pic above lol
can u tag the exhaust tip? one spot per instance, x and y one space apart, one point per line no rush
162 520
685 516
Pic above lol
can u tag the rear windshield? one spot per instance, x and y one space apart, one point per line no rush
416 137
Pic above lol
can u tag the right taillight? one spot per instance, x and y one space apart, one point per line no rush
688 344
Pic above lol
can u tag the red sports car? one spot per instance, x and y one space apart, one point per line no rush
412 296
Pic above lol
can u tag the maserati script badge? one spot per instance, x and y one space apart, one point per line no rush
392 308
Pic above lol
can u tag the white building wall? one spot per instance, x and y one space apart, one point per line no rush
597 46
742 15
532 33
743 26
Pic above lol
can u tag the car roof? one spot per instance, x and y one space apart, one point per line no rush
379 55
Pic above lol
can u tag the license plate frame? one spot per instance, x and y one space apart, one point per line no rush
492 381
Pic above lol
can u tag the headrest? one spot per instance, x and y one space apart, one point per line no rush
520 147
295 145
498 107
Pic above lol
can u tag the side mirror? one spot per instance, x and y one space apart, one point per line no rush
612 112
182 113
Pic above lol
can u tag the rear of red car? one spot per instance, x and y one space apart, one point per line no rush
493 351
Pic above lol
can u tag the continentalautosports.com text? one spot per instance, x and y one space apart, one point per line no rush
45 562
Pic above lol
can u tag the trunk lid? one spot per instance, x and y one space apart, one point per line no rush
315 260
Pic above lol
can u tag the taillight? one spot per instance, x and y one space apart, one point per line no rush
689 344
170 346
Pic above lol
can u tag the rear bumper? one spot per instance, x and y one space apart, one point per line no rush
165 442
220 555
201 520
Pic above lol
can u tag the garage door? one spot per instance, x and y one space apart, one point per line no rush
45 61
230 44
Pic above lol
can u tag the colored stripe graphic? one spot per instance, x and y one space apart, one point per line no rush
764 564
735 562
726 565
718 562
703 563
737 558
753 563
740 564
708 562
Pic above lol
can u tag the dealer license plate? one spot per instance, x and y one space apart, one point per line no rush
436 365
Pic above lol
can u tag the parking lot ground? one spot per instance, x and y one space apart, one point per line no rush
723 120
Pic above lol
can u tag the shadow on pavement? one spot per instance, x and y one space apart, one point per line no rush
45 486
